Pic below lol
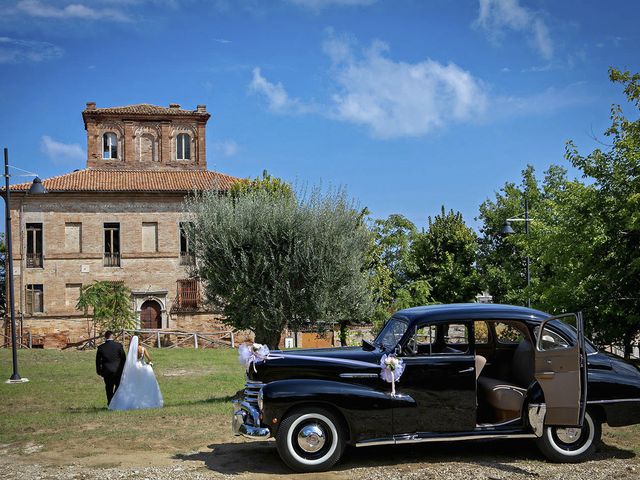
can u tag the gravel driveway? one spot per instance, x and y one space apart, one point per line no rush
478 460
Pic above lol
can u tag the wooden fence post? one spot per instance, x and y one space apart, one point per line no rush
158 338
233 343
195 340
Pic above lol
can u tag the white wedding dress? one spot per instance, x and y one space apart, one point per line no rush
138 385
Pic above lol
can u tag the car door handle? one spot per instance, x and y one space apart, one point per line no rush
470 369
547 375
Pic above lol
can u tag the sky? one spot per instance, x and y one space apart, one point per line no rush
407 104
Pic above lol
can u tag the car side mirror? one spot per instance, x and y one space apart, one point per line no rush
367 346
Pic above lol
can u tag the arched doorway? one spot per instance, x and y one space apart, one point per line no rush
150 315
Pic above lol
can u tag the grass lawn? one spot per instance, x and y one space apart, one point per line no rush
63 407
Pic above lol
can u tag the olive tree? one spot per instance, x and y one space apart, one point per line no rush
270 262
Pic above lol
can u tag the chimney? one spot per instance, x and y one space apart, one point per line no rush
91 105
201 109
174 105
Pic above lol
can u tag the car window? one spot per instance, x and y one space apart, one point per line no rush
426 335
550 339
456 334
392 333
438 339
507 333
481 332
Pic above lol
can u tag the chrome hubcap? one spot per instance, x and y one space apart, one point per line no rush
568 435
311 438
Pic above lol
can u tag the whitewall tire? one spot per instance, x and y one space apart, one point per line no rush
571 445
310 440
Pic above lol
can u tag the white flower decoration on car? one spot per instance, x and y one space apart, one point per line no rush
250 354
391 370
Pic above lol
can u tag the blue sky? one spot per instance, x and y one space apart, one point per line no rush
409 104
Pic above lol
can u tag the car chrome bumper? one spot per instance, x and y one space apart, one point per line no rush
246 421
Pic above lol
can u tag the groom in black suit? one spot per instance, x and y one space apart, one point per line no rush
110 363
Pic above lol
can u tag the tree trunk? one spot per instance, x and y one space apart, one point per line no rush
628 347
267 337
343 333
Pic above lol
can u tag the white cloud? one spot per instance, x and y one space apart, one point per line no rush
13 50
400 99
227 148
275 94
392 98
396 99
36 8
62 152
320 4
496 16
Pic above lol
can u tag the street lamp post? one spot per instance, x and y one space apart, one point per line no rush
507 230
36 189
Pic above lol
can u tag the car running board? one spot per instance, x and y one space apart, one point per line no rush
435 437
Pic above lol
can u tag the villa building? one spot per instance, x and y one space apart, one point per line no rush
120 219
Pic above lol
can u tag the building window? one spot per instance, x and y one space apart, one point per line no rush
149 237
34 245
183 147
188 295
111 244
73 237
71 294
109 146
187 256
34 301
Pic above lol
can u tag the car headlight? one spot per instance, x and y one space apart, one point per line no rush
260 401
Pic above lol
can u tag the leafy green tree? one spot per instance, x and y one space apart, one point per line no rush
273 185
110 306
501 260
584 240
612 203
445 257
271 262
414 294
393 237
379 280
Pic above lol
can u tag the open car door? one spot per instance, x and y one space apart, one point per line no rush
561 371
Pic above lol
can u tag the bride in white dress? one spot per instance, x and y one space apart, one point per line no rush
138 385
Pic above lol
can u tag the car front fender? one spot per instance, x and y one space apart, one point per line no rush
367 412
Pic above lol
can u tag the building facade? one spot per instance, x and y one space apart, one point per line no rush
120 219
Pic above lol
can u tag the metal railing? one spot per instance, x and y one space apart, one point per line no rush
34 260
180 339
28 340
619 351
112 259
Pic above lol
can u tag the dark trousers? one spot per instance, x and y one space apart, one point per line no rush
111 383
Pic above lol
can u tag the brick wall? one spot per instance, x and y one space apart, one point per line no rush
150 275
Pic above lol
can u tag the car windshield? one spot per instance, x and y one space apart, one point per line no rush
391 334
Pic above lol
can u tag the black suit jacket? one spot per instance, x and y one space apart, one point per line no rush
110 359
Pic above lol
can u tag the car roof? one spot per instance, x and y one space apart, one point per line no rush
459 311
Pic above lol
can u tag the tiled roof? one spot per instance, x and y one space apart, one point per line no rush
145 109
90 180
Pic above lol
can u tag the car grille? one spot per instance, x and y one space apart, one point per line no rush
251 391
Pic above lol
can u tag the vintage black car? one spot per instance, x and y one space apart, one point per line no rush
472 371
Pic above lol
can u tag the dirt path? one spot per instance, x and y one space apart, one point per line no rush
240 460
